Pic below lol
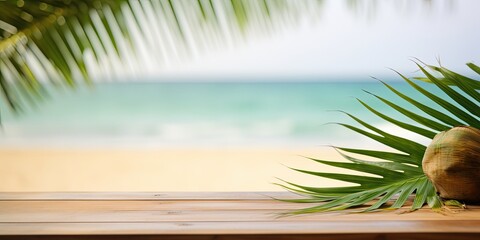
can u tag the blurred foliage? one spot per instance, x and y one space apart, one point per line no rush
64 43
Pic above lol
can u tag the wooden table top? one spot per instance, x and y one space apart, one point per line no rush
229 215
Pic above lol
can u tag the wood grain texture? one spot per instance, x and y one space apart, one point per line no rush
211 216
374 236
69 196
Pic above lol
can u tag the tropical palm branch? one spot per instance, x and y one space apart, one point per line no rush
396 175
64 43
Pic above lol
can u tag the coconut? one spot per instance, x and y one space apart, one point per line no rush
452 163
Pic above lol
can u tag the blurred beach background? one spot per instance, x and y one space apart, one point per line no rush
234 115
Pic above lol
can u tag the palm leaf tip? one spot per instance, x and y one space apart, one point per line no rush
402 181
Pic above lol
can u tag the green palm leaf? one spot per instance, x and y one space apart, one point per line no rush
62 43
392 177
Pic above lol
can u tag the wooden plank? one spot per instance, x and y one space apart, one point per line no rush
121 196
56 205
192 210
178 215
364 236
219 215
229 228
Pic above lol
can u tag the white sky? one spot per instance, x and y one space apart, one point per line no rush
344 43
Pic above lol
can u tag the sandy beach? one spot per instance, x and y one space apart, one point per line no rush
240 169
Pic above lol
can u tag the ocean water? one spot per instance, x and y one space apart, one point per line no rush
225 114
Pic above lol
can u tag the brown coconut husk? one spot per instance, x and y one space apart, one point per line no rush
452 163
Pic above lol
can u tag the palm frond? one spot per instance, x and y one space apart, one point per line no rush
390 178
455 78
45 42
66 43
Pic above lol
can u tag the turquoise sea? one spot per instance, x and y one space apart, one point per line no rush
215 114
